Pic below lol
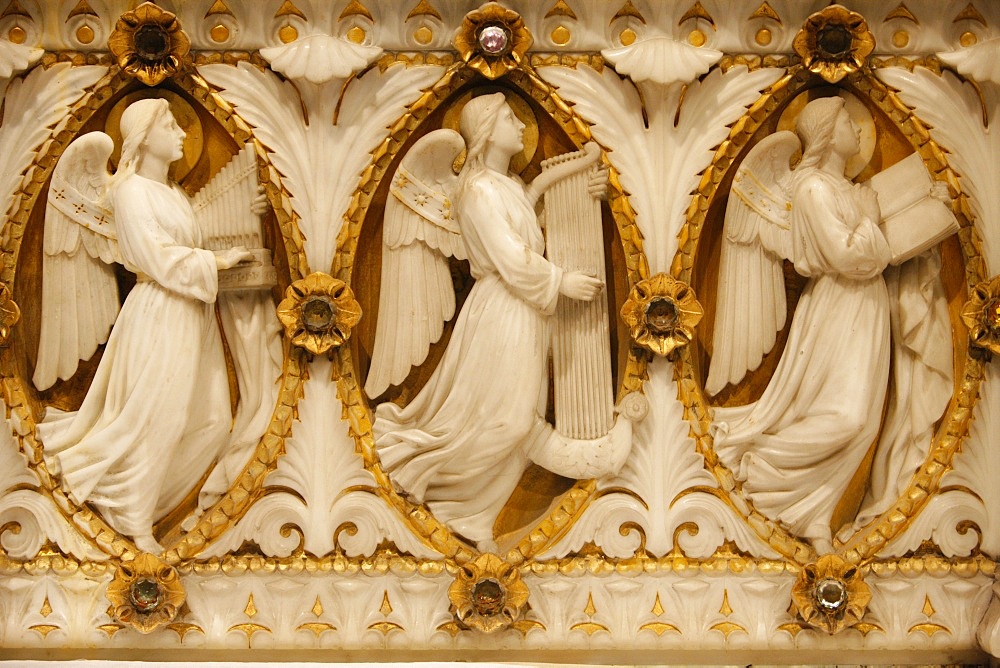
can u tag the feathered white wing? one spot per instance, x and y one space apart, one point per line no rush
79 292
419 233
750 308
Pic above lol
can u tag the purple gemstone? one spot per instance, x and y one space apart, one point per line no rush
493 40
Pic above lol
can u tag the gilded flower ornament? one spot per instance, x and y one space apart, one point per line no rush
9 314
488 594
145 593
831 594
981 314
492 40
318 312
834 42
148 43
661 314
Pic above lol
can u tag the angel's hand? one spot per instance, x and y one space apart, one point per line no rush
578 285
597 184
259 204
870 205
232 257
939 191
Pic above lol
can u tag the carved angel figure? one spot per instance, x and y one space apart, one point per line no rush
799 446
463 442
157 414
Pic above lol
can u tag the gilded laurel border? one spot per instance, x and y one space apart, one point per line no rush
865 544
388 561
359 415
239 497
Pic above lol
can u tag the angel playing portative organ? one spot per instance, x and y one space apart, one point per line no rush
862 367
462 443
158 413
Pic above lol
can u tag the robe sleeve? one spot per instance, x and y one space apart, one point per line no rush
148 248
490 233
824 242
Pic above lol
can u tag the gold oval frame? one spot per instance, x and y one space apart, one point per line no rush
237 500
864 545
418 518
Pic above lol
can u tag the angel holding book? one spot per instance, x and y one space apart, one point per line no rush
157 414
863 366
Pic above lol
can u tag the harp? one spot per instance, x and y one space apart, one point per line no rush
222 209
581 347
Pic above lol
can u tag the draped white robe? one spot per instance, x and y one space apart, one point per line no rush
461 445
157 413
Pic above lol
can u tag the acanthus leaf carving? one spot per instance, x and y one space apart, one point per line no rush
320 499
322 146
952 108
44 97
660 161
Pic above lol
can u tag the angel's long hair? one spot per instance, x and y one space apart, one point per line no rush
479 118
137 119
815 126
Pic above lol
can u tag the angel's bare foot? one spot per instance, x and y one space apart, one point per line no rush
148 544
488 545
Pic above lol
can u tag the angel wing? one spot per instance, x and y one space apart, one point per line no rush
79 291
419 233
750 308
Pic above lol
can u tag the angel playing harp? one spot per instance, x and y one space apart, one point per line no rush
462 444
157 414
828 402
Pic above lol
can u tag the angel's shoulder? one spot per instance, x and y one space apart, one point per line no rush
814 184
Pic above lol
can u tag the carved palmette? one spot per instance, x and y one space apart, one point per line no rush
581 348
223 210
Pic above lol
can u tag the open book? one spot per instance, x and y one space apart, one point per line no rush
912 219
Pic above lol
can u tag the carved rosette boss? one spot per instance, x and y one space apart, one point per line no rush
488 594
492 40
834 43
831 594
145 593
661 313
9 314
318 313
149 44
981 314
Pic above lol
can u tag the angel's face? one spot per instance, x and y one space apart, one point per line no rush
508 133
846 135
165 139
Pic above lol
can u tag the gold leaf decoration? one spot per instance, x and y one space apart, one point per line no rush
289 9
901 12
834 42
355 8
149 44
145 593
318 312
488 594
661 313
82 8
831 594
981 314
492 40
697 11
423 8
